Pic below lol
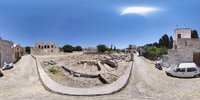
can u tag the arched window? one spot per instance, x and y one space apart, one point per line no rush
45 46
42 47
51 46
39 46
48 46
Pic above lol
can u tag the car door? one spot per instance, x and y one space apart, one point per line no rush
180 72
191 72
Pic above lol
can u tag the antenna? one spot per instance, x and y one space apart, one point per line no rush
177 25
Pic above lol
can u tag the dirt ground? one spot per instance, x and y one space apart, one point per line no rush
64 78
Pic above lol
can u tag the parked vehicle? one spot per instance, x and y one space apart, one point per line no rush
184 70
158 66
7 66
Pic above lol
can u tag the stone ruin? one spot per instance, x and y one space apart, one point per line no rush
105 64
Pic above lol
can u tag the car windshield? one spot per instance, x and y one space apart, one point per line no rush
174 67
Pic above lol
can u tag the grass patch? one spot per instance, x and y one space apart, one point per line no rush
53 70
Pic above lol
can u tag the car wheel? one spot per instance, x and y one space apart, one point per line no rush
196 76
168 74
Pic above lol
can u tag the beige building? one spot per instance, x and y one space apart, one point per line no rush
18 51
41 48
92 49
6 52
186 49
181 33
132 48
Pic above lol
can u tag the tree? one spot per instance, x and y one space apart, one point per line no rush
78 48
138 48
60 48
68 48
102 48
27 49
160 42
156 44
114 48
171 43
111 47
194 34
123 50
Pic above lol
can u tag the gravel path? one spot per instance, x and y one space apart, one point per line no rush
156 83
146 82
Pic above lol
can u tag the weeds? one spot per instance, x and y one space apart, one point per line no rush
53 70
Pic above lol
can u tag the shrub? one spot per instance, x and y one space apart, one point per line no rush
102 48
67 48
53 70
78 48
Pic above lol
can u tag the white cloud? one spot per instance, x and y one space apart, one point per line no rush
138 10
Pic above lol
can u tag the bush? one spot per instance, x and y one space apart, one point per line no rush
53 70
27 49
102 48
68 48
78 48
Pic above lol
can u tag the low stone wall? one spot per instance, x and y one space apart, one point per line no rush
73 71
89 62
54 87
111 63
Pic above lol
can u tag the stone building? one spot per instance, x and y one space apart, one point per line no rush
18 51
6 52
132 48
92 49
41 48
185 49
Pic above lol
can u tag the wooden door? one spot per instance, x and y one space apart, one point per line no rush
196 58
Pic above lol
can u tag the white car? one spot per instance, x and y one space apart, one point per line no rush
184 70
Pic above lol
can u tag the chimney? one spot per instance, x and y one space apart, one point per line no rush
48 41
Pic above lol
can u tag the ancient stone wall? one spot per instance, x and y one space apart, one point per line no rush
6 52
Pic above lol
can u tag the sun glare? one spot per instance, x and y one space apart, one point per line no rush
138 10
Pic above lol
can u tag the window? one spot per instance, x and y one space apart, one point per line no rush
185 43
51 46
48 46
179 36
45 46
191 69
180 70
51 50
39 46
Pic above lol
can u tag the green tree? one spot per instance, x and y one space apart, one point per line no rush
123 50
138 48
78 48
156 44
114 48
151 53
160 42
102 48
28 49
68 48
194 34
171 43
60 48
151 48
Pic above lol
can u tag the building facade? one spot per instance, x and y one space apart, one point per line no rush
132 48
18 51
185 49
92 49
6 52
41 48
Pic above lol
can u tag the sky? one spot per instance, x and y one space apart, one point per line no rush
88 23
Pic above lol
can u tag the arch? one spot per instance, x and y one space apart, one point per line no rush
38 46
48 46
51 46
45 46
